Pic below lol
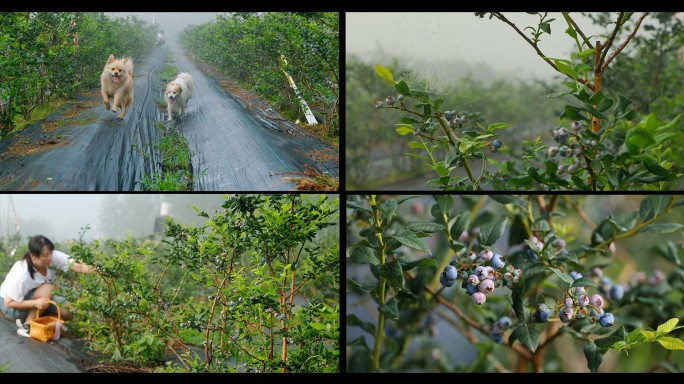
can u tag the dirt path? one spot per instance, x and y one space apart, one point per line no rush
84 147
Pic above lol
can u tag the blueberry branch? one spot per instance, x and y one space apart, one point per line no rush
380 330
534 45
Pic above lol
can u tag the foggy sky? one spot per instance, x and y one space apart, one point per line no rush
60 217
461 36
171 22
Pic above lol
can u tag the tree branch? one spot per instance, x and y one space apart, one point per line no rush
624 44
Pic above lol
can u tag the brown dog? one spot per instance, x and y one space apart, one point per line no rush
117 82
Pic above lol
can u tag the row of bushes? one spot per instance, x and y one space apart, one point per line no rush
44 55
255 288
250 48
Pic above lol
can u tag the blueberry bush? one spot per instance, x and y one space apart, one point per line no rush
254 288
50 55
542 283
600 142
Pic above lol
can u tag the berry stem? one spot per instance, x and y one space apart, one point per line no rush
380 328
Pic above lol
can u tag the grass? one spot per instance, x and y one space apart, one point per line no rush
39 113
175 164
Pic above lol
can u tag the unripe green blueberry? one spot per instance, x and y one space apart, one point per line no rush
574 167
400 97
553 151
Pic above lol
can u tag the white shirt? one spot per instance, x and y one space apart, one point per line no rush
18 281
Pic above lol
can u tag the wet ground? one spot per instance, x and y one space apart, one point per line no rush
20 354
237 143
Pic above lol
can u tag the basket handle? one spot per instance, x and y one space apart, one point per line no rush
59 315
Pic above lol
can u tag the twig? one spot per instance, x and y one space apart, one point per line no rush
611 38
624 44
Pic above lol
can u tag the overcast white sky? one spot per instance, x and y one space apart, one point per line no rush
460 35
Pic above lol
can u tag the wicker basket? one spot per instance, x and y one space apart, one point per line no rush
43 328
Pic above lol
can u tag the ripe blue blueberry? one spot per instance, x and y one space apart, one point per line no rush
498 261
497 144
471 289
389 100
606 319
576 125
496 337
445 280
575 275
378 104
505 322
543 313
451 272
617 291
473 280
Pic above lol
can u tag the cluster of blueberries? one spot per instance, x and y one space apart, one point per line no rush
483 278
579 305
561 136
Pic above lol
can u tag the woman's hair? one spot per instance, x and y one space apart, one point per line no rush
35 246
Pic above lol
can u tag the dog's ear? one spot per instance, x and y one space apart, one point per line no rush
111 58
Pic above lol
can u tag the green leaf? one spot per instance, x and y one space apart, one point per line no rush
424 226
638 139
652 206
385 74
635 337
388 209
563 276
460 224
566 69
671 343
662 228
402 87
594 357
361 284
525 334
403 129
364 255
517 296
604 105
520 181
495 126
445 203
667 327
425 262
416 145
492 231
507 199
354 321
583 282
358 206
410 240
606 342
390 309
394 274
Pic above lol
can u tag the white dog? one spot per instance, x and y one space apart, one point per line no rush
177 94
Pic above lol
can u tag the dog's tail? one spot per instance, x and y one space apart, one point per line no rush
128 63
